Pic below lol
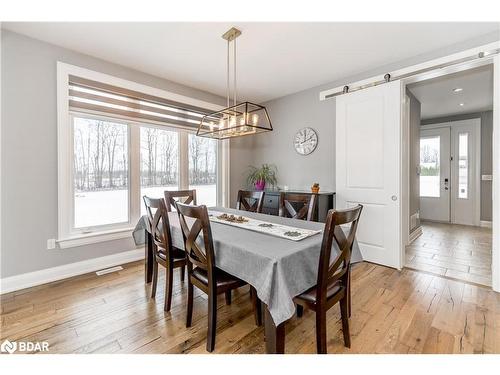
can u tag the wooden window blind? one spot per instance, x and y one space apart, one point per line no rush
95 97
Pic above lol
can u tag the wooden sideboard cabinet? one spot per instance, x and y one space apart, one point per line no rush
326 201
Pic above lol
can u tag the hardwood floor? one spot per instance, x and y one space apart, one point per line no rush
459 251
393 312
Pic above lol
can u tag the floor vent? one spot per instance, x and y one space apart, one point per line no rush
109 270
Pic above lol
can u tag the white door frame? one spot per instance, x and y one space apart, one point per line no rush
496 173
495 265
440 71
405 170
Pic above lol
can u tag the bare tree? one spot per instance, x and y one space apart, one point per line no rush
98 149
112 133
88 157
84 161
98 154
429 155
194 153
152 145
168 156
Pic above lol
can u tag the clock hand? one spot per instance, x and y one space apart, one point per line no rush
308 139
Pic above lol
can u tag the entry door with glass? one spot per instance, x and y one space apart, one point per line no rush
435 174
449 172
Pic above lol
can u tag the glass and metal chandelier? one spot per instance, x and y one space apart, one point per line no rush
240 119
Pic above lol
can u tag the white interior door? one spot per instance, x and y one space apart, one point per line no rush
465 175
368 139
435 178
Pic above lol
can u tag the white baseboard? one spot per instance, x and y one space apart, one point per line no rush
417 232
486 224
26 280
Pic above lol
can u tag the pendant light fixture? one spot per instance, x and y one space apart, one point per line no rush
240 119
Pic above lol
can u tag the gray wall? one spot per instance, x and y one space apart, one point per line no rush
486 154
29 151
29 145
292 112
298 172
414 182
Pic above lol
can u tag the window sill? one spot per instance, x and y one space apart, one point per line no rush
91 238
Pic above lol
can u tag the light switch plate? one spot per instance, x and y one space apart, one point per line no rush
51 243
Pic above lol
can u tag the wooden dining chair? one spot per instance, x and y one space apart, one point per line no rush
290 201
164 252
251 201
202 271
333 282
182 196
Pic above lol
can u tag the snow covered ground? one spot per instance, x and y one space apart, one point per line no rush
429 186
111 206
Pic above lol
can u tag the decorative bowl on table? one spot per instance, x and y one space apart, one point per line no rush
232 218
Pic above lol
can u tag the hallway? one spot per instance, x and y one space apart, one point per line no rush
457 251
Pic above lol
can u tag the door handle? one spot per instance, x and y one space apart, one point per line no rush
394 198
445 184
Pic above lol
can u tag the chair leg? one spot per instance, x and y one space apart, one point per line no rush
321 331
183 273
349 291
155 279
344 307
300 311
228 297
168 288
212 321
257 307
189 310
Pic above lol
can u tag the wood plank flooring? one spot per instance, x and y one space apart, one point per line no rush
393 312
459 251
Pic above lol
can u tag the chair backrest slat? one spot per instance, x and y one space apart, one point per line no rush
182 196
200 256
305 212
159 224
251 201
329 270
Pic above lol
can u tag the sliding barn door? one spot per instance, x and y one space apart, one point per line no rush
368 161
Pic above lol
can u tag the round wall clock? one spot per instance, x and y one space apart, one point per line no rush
305 141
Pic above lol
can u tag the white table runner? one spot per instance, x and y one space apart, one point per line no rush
273 229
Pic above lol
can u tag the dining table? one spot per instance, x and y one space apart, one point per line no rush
278 268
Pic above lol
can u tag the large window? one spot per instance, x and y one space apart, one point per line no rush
118 141
100 172
103 169
203 169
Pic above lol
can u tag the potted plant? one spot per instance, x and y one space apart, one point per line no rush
260 176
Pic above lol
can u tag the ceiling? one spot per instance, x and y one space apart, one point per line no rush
438 98
274 59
